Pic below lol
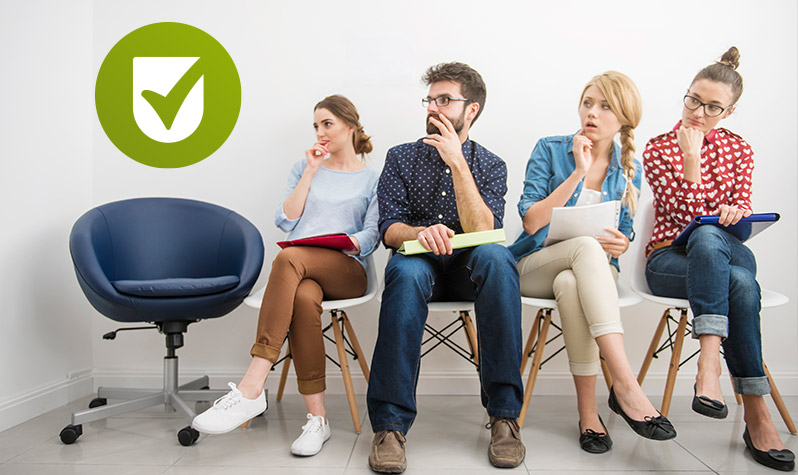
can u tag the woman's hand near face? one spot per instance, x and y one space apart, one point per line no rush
616 244
316 154
690 141
583 156
731 214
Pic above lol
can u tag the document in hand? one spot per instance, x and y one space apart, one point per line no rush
458 241
745 229
574 221
339 241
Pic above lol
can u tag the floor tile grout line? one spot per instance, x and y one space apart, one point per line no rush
695 456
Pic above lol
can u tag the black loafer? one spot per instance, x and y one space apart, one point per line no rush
654 428
709 407
783 460
595 442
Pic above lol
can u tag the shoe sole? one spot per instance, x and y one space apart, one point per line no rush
390 469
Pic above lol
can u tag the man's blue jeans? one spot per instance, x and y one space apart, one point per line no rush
485 274
717 274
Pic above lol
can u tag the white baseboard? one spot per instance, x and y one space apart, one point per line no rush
459 382
23 407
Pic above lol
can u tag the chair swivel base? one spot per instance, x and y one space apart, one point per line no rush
172 396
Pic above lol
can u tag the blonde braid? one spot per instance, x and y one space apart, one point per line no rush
628 163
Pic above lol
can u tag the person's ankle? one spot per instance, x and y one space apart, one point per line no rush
249 392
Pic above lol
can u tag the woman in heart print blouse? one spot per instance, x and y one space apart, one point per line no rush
698 169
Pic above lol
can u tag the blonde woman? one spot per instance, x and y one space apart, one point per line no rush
585 168
330 190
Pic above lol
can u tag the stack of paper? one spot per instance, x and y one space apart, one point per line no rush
574 221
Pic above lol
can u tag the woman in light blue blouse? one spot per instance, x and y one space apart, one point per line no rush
582 169
330 191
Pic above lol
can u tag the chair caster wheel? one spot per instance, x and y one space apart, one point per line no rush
70 433
97 402
187 436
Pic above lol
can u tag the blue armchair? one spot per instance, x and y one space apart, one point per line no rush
169 262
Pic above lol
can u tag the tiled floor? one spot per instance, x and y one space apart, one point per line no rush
449 437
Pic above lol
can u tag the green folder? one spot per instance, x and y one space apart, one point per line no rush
458 241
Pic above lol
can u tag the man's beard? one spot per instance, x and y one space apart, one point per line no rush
458 123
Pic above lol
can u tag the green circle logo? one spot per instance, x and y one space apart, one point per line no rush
168 95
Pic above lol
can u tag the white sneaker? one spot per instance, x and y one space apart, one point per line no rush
229 412
314 434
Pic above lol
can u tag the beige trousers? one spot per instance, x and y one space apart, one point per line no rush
578 275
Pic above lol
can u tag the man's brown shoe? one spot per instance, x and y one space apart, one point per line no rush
388 452
506 449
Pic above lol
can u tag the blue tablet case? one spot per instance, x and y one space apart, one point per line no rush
744 230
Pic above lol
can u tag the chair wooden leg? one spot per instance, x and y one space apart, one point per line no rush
342 360
361 358
284 376
471 333
774 393
533 371
673 369
606 371
530 341
652 348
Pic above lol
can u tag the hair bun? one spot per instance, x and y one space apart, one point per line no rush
731 58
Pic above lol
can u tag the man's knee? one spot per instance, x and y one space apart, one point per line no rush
408 272
492 255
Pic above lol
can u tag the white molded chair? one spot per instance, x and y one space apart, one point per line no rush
538 334
345 339
675 338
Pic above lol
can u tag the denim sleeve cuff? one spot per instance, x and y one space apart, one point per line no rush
709 324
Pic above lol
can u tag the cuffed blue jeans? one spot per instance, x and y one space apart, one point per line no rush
486 275
717 275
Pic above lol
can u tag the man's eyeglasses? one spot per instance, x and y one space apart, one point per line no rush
442 101
711 110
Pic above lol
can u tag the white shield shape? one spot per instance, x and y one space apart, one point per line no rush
168 97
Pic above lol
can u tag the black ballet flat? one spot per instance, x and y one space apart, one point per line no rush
709 407
783 460
654 428
595 442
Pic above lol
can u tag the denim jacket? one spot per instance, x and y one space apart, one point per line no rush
551 163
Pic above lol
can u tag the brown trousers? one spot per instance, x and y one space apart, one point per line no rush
301 277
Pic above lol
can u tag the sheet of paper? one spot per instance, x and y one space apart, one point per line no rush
574 221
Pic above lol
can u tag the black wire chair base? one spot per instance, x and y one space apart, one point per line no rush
444 337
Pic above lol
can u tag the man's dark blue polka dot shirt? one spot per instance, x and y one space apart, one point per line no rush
416 186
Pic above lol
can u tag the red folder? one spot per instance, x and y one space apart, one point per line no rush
339 241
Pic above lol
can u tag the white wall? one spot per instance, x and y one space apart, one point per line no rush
535 59
47 112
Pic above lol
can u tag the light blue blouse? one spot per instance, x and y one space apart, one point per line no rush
551 163
338 202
